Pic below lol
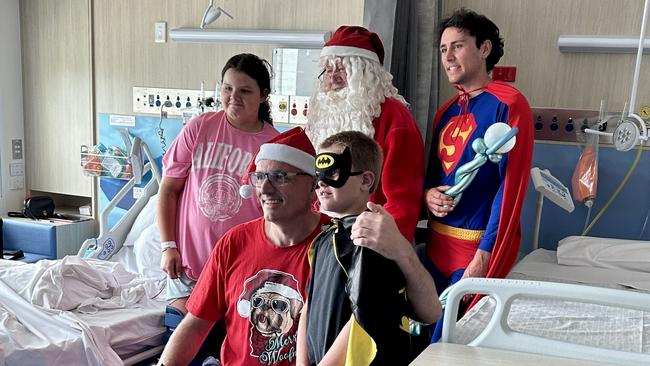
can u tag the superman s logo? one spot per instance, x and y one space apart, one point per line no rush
453 139
324 161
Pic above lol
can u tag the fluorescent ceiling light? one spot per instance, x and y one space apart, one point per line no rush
304 39
601 44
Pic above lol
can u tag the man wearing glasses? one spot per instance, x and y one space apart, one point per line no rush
255 277
356 93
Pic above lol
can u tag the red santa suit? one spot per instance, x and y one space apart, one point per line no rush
402 176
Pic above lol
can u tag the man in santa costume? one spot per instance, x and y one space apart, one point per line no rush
355 93
479 236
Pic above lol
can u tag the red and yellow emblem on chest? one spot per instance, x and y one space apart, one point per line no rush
453 139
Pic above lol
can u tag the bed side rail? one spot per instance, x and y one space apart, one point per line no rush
110 239
499 335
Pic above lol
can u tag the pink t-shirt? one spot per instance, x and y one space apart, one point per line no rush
213 156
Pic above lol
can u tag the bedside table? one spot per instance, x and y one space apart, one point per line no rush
46 239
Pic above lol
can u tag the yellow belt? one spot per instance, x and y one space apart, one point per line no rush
456 232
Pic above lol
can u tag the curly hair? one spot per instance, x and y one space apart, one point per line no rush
479 27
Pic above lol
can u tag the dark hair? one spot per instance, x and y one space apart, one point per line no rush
479 27
258 69
366 152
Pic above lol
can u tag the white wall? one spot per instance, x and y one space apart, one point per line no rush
11 99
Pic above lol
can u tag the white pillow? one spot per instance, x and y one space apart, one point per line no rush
630 255
148 254
145 219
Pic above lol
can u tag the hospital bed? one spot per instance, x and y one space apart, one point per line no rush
101 307
595 309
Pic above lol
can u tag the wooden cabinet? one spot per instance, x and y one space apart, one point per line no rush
57 90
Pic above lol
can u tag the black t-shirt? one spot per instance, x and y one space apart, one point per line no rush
349 280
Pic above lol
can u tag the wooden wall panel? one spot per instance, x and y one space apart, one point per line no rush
126 56
549 78
57 93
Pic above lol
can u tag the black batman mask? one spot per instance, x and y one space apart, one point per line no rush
334 169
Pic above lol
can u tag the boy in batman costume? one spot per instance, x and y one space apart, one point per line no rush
357 305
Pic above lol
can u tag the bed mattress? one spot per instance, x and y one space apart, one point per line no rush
542 265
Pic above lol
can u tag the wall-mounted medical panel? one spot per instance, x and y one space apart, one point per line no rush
568 125
562 124
150 100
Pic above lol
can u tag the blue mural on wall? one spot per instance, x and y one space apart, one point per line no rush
147 129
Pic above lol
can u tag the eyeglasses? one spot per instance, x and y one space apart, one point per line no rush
277 178
331 72
280 306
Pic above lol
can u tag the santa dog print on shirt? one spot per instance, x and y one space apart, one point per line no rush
272 302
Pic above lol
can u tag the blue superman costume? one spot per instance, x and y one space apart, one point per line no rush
488 216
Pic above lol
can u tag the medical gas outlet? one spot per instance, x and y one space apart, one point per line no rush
149 100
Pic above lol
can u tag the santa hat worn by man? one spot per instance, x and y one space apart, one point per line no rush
292 147
352 40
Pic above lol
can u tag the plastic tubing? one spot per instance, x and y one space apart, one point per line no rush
617 191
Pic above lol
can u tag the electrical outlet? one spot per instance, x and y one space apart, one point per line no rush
150 100
160 32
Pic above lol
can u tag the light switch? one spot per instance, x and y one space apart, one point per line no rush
160 31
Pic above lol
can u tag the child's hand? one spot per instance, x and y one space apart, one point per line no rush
377 230
171 262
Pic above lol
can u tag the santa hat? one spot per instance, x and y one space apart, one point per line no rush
351 40
267 281
292 147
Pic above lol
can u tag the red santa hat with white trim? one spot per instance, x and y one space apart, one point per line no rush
352 40
267 281
292 147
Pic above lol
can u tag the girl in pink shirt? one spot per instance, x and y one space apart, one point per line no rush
199 195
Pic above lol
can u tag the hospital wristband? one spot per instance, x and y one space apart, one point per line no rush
167 245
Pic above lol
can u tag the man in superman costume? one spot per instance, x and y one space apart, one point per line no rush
480 236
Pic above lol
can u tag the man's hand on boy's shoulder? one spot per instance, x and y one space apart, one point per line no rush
376 229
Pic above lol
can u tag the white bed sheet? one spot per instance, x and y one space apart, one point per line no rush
33 336
123 324
129 331
572 322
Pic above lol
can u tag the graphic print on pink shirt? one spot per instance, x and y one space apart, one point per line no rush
218 197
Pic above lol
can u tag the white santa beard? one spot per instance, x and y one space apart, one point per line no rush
333 112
